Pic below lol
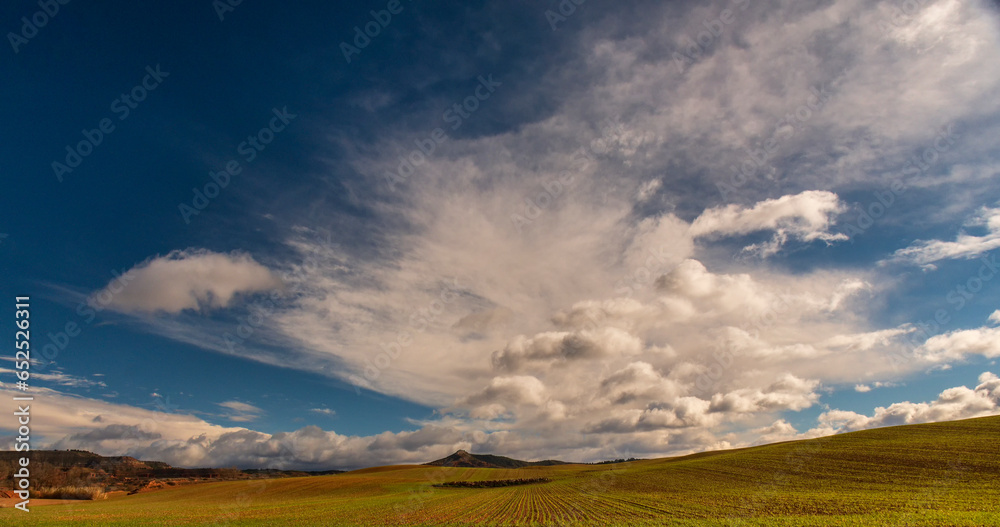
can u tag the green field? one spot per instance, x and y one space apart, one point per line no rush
931 474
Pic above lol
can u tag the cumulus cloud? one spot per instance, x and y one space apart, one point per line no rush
676 425
120 426
681 359
183 440
807 216
788 393
956 345
189 279
927 252
509 396
565 346
865 388
779 430
638 381
954 403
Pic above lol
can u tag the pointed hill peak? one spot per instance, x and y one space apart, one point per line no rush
462 458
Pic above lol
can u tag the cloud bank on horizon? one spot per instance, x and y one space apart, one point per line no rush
691 242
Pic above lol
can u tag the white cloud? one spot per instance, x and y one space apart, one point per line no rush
788 393
504 393
995 317
865 388
956 345
189 279
926 252
67 415
807 216
648 189
952 404
780 430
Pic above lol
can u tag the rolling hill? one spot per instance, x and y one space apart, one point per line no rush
942 474
82 459
467 460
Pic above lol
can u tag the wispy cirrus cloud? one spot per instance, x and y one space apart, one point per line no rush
928 252
62 379
241 412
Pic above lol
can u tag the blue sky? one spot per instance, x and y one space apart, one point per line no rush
534 229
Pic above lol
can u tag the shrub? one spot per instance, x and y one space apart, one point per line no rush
492 483
71 493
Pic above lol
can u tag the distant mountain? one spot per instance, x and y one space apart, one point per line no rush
465 459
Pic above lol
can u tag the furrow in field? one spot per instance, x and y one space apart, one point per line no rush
618 506
571 509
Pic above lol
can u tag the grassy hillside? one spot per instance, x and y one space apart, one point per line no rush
933 474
